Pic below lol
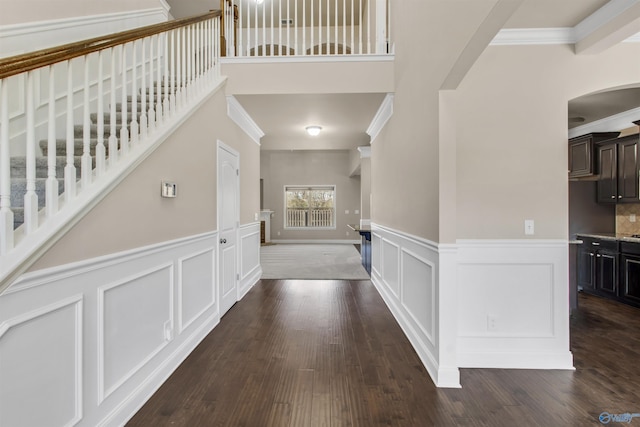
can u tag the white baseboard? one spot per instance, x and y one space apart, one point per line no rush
317 241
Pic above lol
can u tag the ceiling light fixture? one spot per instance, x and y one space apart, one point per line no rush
313 130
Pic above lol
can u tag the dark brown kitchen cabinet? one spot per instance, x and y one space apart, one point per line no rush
581 153
630 273
598 271
618 169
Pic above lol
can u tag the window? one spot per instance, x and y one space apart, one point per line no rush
310 206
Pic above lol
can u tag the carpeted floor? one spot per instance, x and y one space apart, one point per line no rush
310 261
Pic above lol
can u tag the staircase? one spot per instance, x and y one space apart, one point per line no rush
19 166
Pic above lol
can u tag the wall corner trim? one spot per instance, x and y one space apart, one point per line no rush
240 117
382 117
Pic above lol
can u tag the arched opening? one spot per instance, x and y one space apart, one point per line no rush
329 49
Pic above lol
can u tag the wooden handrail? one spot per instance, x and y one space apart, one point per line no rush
41 58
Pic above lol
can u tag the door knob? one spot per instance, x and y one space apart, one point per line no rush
223 241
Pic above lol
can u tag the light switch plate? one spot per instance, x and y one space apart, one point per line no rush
169 189
528 227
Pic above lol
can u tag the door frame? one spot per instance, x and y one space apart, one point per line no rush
222 146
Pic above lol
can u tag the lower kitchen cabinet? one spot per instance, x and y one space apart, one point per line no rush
598 266
630 272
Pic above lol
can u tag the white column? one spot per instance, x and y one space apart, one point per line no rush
51 195
6 214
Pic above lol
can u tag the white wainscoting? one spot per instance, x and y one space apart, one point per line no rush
513 304
88 343
250 269
405 270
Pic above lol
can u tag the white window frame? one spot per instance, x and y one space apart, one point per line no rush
311 187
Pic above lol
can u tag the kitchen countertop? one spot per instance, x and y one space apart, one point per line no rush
610 236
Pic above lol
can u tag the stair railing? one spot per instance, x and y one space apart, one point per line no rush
136 82
306 27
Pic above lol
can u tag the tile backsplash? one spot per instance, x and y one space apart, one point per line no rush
624 213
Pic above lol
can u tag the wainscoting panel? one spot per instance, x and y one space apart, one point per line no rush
196 283
513 307
250 270
405 271
40 366
88 343
135 319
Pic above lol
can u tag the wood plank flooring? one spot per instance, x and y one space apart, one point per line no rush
329 353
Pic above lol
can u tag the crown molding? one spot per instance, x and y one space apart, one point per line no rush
239 115
365 152
382 117
608 124
533 36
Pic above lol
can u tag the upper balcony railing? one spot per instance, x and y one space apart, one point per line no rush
268 28
74 119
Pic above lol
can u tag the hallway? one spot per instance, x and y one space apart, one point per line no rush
329 353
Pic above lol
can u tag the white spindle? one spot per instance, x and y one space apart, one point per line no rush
172 96
188 58
304 28
295 27
280 27
264 30
320 27
159 112
360 29
143 87
240 27
288 46
335 29
183 66
344 27
113 139
313 12
273 44
134 129
255 31
165 99
179 67
248 30
216 32
353 42
87 163
368 27
51 191
124 131
6 214
100 148
69 169
30 197
389 26
201 53
151 114
328 42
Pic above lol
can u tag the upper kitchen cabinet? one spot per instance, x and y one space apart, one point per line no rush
618 168
581 153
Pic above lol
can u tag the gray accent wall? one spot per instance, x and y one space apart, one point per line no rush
280 168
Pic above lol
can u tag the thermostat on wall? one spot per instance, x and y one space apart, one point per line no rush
169 189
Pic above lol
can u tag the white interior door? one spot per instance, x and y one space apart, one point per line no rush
228 223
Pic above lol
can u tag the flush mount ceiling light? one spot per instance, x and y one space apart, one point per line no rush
313 130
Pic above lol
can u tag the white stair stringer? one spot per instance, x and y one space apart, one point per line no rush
29 247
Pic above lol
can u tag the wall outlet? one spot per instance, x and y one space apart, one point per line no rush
356 212
491 322
168 331
256 216
528 227
632 218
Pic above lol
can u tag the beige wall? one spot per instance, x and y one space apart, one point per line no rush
135 215
20 11
183 9
280 168
430 36
365 188
511 130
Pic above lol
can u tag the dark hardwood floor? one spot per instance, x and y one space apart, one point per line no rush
329 353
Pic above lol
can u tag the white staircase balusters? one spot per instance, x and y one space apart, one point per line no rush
159 112
70 168
51 190
143 86
165 98
86 164
151 114
6 214
133 125
172 80
30 197
124 131
311 28
113 139
101 154
179 66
